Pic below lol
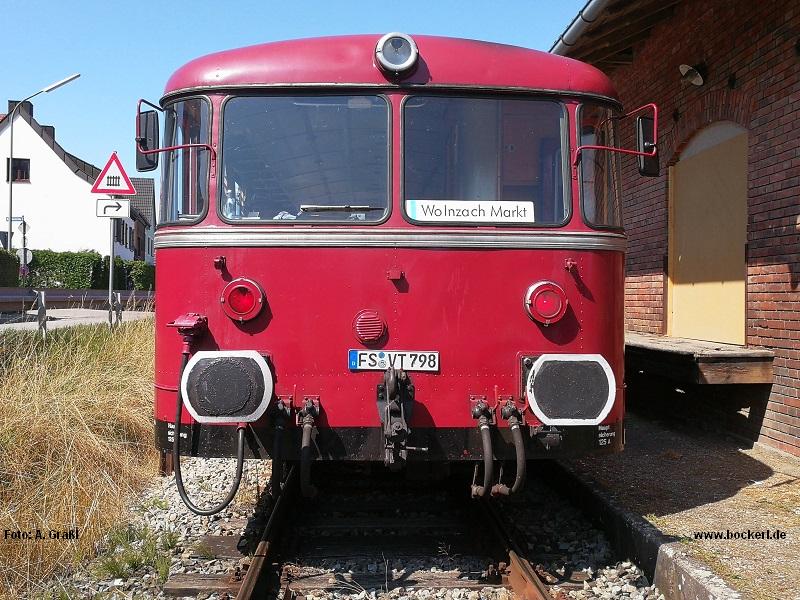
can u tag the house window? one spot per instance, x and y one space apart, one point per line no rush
21 169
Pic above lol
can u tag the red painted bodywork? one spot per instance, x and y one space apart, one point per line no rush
448 62
466 303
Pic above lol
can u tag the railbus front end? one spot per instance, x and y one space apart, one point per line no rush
390 249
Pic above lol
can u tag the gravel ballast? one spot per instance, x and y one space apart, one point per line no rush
560 540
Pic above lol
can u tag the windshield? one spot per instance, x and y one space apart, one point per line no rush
184 175
600 169
484 160
308 158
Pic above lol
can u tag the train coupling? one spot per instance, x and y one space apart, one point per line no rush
191 327
484 416
395 398
306 416
511 413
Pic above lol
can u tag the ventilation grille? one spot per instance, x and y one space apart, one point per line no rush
369 327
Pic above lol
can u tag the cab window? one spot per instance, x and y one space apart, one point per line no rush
305 158
184 174
599 170
484 160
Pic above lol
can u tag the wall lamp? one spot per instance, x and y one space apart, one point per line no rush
696 75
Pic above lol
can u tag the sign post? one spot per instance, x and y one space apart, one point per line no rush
25 258
113 180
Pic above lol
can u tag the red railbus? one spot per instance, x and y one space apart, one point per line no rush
391 249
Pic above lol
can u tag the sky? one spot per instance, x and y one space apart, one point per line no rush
127 50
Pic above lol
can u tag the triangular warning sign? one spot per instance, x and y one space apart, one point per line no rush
113 179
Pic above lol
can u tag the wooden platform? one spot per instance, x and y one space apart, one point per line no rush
693 361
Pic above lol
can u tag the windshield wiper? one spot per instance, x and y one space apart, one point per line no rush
339 208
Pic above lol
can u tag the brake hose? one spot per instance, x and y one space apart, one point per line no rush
176 456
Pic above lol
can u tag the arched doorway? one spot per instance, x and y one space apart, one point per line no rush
708 236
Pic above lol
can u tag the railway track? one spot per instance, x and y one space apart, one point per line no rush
367 531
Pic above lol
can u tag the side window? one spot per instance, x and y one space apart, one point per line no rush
599 169
307 158
184 184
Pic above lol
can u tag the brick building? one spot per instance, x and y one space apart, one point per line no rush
714 242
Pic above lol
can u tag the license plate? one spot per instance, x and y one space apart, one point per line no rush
380 360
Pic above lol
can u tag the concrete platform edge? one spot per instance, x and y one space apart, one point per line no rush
664 560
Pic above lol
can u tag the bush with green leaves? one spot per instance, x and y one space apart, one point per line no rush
72 270
9 269
130 274
120 273
141 276
76 270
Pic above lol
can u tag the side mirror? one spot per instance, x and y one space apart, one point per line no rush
645 135
147 140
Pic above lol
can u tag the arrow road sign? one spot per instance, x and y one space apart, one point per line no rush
113 179
117 209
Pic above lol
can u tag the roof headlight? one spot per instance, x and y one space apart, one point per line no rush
396 53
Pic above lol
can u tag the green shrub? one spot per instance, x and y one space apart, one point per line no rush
9 269
141 276
73 270
130 274
77 270
120 274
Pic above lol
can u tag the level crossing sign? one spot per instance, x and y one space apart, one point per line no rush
113 179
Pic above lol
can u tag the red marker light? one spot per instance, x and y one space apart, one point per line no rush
242 299
546 302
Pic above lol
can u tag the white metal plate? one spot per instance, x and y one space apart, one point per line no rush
113 208
470 211
612 388
252 354
380 360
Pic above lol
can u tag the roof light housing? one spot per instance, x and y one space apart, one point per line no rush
396 53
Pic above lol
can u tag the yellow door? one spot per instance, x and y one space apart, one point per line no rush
707 237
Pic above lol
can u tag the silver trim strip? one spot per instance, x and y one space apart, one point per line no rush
251 237
236 88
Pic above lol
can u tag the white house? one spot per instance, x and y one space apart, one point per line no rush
52 191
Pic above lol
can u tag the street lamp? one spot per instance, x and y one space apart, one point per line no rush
10 116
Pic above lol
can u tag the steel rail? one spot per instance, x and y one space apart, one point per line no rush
253 579
521 576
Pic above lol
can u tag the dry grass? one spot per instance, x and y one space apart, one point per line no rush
76 439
